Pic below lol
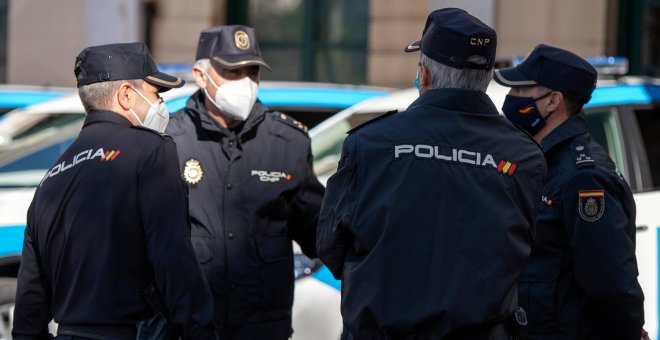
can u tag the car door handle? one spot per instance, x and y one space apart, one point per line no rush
641 228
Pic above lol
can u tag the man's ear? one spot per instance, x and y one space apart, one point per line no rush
556 99
201 79
125 97
424 78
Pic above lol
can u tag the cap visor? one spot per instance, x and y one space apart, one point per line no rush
413 47
228 63
164 81
512 77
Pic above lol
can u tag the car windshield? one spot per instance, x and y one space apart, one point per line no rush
29 169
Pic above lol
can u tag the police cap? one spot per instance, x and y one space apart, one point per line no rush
455 38
555 69
121 62
230 47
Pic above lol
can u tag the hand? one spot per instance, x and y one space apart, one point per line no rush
645 335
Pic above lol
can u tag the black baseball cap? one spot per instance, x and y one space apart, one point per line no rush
230 47
121 62
555 69
452 36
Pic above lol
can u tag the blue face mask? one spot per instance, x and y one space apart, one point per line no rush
416 81
522 111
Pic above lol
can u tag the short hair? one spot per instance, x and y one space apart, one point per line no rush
443 76
204 64
98 96
572 105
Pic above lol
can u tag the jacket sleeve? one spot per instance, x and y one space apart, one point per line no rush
163 205
334 239
601 228
32 311
305 210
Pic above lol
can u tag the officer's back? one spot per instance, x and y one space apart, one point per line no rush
428 218
109 218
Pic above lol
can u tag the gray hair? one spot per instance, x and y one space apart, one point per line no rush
443 76
98 96
204 64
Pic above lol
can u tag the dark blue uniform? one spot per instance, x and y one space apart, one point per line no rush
252 191
581 279
428 219
107 220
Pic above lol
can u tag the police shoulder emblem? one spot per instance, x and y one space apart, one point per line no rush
192 171
242 40
591 204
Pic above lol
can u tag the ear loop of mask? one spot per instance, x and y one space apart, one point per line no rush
541 97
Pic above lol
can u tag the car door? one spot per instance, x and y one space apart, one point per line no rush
631 135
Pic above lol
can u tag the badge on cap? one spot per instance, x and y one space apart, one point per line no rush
192 171
591 204
242 40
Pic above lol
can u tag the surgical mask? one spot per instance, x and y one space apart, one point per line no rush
235 98
416 81
523 112
157 117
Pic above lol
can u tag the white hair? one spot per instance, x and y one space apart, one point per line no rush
98 96
443 76
204 64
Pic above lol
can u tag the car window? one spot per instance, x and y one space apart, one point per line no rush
326 145
649 126
605 129
50 121
28 170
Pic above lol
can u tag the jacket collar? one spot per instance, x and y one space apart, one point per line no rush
195 107
95 116
573 126
458 100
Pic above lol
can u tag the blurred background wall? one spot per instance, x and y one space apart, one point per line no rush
344 41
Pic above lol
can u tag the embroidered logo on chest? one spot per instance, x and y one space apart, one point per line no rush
271 176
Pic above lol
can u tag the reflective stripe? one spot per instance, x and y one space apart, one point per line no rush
513 82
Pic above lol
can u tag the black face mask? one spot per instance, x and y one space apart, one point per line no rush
523 112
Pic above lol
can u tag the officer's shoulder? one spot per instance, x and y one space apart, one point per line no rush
371 121
288 121
581 154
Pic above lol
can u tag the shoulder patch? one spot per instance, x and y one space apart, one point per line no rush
379 117
591 204
288 120
582 156
162 135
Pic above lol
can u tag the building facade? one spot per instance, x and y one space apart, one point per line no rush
343 41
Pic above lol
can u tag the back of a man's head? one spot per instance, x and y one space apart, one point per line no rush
458 50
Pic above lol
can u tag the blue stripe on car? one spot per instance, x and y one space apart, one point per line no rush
624 94
324 275
12 99
12 240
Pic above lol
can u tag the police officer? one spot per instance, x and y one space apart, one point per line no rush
109 219
581 279
252 187
428 218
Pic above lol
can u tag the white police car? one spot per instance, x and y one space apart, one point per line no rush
623 115
38 134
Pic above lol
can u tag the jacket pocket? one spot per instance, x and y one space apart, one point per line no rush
537 292
275 248
203 247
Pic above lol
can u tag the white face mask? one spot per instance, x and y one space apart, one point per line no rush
235 98
157 117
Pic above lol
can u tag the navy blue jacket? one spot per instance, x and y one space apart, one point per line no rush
428 219
581 280
257 192
108 219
